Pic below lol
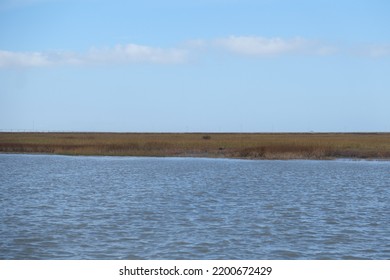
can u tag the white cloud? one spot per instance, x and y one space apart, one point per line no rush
325 50
261 46
198 44
136 53
250 45
120 54
28 59
377 51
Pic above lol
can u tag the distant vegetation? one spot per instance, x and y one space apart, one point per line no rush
232 145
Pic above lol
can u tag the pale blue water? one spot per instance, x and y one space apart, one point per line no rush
63 207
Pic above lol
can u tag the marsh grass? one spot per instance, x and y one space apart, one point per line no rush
233 145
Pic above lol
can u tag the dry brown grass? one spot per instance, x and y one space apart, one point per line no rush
234 145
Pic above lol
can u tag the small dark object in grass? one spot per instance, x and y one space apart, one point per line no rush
206 137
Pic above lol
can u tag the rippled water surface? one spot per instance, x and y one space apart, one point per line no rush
62 207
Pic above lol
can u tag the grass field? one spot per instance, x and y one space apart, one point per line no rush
232 145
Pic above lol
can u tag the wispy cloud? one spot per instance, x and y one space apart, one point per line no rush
376 51
24 59
253 46
261 46
120 54
136 53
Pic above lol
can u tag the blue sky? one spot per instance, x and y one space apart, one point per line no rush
204 65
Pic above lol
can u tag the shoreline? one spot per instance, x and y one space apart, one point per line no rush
255 146
208 157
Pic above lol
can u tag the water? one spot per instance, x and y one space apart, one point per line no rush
63 207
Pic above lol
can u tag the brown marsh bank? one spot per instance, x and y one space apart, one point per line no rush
232 145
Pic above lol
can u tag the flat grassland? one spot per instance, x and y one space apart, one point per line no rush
226 145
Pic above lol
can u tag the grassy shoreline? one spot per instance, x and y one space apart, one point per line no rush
224 145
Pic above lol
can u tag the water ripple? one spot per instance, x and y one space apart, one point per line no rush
55 207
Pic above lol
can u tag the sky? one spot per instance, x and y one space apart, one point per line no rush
195 65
